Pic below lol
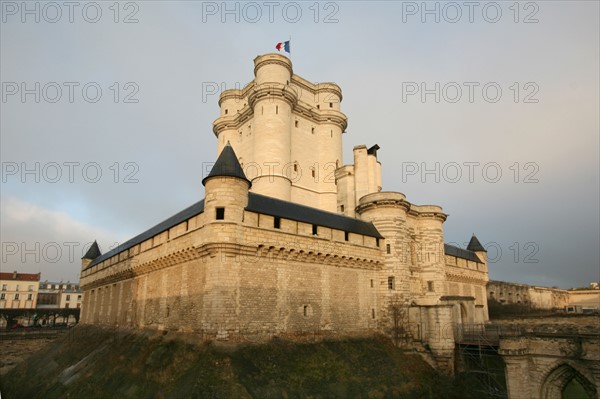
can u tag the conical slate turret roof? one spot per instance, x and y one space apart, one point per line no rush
475 245
93 252
227 165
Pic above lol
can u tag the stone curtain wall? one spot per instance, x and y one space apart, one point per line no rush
286 284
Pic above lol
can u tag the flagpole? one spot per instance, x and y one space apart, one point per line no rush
290 40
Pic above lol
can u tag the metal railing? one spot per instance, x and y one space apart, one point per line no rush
483 334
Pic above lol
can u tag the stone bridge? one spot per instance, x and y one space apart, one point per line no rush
552 365
542 361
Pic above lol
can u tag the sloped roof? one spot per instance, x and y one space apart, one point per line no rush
93 252
227 165
475 245
461 253
20 276
174 220
259 204
302 213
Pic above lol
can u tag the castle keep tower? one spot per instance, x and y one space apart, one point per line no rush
288 239
287 133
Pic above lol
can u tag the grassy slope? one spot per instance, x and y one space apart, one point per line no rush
95 363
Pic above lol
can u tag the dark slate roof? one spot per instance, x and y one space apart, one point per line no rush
260 204
373 150
289 210
227 165
461 253
475 245
174 220
93 252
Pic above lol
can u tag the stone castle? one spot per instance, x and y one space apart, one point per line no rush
288 240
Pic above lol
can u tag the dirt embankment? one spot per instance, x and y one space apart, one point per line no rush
14 351
100 363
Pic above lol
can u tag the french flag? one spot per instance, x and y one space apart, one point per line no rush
283 46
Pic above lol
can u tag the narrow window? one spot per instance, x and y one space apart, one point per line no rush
305 310
17 289
315 229
346 235
388 248
277 222
372 313
331 133
377 242
226 111
342 208
29 296
313 172
312 130
277 109
17 297
371 283
430 286
262 110
3 287
2 296
68 297
220 213
330 105
391 283
318 106
295 167
296 124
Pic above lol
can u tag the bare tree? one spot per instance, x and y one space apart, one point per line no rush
399 323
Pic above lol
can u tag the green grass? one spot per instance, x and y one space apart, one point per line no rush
128 365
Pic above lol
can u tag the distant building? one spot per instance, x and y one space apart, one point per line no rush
543 297
18 290
59 295
588 299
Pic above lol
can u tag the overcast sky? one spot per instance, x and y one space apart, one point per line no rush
107 111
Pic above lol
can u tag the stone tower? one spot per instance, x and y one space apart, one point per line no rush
92 253
287 133
414 245
359 179
226 188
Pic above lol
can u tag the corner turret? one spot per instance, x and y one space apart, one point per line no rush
226 188
92 253
480 251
